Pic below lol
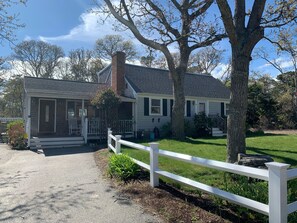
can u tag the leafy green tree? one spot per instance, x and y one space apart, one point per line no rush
262 105
11 101
245 28
165 24
284 93
108 102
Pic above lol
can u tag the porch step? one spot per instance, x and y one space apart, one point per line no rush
37 142
216 132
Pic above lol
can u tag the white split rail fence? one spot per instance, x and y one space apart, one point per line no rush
277 176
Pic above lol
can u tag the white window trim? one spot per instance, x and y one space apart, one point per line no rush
205 105
75 101
150 106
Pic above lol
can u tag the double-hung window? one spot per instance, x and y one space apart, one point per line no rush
155 108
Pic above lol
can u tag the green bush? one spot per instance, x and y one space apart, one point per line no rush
190 130
17 136
122 166
249 188
202 124
166 130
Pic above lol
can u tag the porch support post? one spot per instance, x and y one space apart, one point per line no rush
133 118
28 119
83 116
207 108
86 130
196 107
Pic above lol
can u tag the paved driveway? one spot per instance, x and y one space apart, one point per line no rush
60 186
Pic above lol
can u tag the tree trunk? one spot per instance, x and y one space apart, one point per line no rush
238 106
178 110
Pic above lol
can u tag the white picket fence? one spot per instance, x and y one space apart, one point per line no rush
277 176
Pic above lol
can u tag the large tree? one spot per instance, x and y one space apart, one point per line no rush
9 22
37 58
81 65
11 103
245 28
163 25
107 46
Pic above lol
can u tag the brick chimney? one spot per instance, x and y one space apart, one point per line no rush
118 72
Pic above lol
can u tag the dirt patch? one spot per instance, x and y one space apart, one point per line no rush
171 204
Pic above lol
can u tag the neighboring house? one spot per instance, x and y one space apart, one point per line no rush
60 108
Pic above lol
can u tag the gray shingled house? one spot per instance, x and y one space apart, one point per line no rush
58 112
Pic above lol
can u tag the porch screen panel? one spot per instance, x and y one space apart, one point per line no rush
70 109
46 113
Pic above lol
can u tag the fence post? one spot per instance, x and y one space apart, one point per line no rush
154 150
117 144
85 131
278 210
109 132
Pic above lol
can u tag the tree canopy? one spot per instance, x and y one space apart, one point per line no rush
164 24
37 58
107 46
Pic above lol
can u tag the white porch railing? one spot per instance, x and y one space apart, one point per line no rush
277 176
96 127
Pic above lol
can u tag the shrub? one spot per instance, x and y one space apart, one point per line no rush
249 188
190 130
202 124
122 166
17 136
166 130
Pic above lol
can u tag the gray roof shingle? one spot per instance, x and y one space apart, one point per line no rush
60 87
157 81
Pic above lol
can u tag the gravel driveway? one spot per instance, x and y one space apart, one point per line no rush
60 185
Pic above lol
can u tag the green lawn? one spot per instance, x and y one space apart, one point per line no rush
282 148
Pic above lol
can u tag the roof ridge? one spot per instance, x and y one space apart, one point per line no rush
52 79
162 69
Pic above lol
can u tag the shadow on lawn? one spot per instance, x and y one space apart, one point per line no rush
287 160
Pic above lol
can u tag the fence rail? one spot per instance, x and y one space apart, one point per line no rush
277 176
7 119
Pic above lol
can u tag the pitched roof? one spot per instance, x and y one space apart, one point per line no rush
157 81
60 88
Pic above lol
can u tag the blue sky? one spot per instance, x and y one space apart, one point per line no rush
68 23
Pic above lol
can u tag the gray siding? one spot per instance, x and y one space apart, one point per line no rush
148 123
214 108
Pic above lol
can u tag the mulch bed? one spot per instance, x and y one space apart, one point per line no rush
171 204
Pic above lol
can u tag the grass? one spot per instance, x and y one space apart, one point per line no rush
282 148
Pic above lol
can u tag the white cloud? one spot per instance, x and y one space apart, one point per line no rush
220 70
91 28
27 38
283 62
